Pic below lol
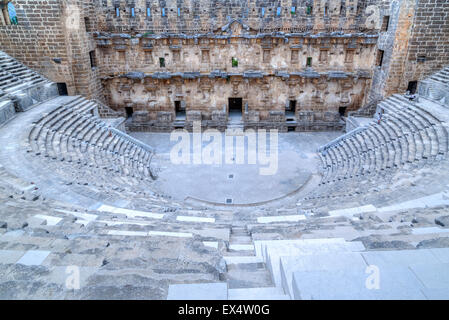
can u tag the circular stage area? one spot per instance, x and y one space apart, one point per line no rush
288 167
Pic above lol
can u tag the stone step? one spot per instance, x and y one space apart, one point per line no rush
331 261
245 239
240 278
396 283
243 260
263 293
272 250
241 247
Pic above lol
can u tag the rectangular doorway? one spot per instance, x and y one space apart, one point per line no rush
235 106
412 86
290 109
180 110
62 89
129 112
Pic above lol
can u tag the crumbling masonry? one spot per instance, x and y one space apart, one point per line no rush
290 65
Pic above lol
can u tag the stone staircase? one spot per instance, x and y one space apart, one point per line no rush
247 276
404 249
407 274
22 85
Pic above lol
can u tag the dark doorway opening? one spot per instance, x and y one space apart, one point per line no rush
129 112
235 109
235 104
380 57
342 111
290 109
93 62
180 111
412 86
62 89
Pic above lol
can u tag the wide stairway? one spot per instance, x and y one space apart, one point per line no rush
22 85
332 268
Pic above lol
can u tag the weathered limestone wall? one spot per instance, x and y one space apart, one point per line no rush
51 38
79 43
386 42
261 95
121 53
38 39
401 46
272 70
417 29
197 39
429 39
272 41
198 16
275 66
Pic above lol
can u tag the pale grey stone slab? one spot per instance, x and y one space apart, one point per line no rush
429 230
198 291
241 247
268 293
314 262
84 216
33 257
352 211
275 250
436 199
242 259
124 222
10 256
12 234
127 233
290 218
50 220
442 254
436 294
195 219
402 258
170 234
432 275
129 212
261 245
395 283
212 244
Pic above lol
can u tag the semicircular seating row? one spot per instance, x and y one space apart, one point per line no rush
407 134
71 132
